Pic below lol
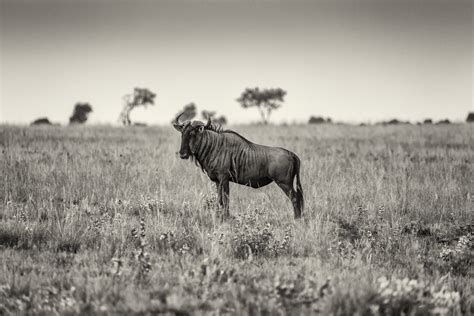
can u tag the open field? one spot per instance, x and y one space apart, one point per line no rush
387 229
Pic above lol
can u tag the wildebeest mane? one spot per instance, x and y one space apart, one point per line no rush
215 127
212 140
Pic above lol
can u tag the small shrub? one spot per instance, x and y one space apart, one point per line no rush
251 238
418 229
413 297
71 238
180 242
342 250
9 237
298 292
41 121
21 236
362 227
214 271
152 206
140 254
68 245
63 260
348 230
458 259
369 236
470 117
210 201
319 120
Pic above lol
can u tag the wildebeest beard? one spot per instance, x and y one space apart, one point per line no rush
193 159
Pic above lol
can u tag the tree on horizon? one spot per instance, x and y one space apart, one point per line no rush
80 113
222 120
139 97
265 100
189 111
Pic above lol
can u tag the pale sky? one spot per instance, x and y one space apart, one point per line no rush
352 60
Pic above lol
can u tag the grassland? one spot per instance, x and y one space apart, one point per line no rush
103 220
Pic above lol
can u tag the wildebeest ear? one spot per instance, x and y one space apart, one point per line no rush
201 128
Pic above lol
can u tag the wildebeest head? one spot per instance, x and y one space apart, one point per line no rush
190 131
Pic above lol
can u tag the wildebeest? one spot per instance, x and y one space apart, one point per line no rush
225 156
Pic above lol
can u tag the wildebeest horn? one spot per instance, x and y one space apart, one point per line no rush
209 123
177 124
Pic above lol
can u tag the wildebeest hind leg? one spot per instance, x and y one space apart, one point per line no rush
291 194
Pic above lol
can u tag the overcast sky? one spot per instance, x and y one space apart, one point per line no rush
350 60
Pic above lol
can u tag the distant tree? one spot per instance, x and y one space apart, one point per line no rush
222 120
445 121
189 111
80 113
41 121
208 114
392 122
140 124
470 117
316 120
428 121
265 100
319 120
139 97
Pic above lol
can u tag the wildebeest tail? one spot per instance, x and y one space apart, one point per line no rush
299 189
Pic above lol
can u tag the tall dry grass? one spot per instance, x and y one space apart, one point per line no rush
387 227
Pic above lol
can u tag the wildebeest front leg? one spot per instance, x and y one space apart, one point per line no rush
223 192
291 194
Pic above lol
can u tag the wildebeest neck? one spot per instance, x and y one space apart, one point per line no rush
213 148
207 148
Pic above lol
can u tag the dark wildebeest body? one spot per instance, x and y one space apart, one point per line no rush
226 157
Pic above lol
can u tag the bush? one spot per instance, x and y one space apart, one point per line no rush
470 117
458 259
41 121
22 236
251 238
413 297
80 113
319 120
180 242
9 237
